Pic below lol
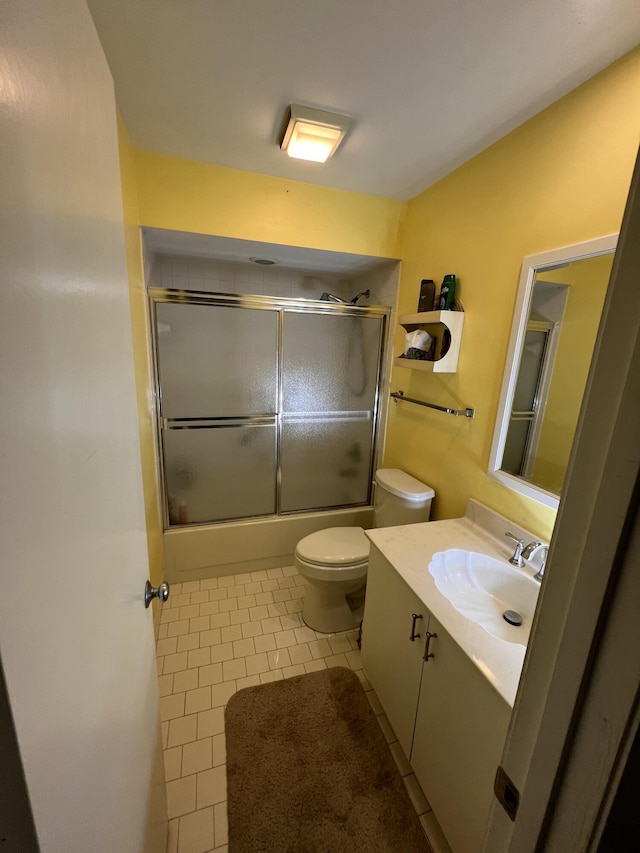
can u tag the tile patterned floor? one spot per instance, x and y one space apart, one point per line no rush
217 636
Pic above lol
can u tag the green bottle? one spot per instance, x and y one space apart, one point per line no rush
447 293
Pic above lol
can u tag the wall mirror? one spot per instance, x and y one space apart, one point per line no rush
555 324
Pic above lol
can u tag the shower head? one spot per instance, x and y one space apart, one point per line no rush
329 297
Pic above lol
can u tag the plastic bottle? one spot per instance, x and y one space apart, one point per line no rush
427 295
447 293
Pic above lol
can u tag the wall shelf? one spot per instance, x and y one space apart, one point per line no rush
453 320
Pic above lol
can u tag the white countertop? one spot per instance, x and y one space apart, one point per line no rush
410 548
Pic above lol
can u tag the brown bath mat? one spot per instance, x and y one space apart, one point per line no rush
309 771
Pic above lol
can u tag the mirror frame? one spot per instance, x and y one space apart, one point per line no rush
530 266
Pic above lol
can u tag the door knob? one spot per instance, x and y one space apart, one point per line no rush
160 592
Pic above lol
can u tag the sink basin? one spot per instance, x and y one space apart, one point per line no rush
482 589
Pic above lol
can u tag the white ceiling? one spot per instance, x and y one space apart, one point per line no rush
429 83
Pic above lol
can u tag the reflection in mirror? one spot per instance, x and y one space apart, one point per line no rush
553 336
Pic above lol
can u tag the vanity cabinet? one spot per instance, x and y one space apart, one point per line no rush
448 718
392 661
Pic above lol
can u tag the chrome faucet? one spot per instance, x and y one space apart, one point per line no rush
531 550
516 559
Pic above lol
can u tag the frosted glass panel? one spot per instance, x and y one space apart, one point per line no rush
515 447
330 362
535 343
329 381
216 474
326 461
216 361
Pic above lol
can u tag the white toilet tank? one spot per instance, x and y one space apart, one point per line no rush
400 498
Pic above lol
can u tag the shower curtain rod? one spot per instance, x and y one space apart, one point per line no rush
465 413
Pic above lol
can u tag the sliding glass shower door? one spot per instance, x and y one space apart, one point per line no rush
217 371
265 406
329 387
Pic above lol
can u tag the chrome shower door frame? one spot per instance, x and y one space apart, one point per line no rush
282 306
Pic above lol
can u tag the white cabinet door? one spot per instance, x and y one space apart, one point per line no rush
392 661
460 731
77 643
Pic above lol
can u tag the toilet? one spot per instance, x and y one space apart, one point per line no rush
334 561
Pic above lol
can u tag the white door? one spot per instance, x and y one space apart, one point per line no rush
75 638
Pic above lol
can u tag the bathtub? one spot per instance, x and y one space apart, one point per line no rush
214 550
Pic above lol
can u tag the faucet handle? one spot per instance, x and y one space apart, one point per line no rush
516 559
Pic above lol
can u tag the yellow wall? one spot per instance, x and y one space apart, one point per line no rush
139 323
184 195
587 281
561 178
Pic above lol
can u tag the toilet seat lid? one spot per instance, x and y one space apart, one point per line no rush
335 546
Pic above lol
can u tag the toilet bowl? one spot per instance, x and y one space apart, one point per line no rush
334 561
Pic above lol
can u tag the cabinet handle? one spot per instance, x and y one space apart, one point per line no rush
414 636
428 655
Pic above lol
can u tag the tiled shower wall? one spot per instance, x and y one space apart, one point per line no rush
248 279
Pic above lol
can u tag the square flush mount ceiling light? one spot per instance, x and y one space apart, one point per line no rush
313 134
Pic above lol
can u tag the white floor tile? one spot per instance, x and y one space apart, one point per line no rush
279 658
209 674
196 833
212 786
196 756
300 653
233 632
257 664
221 825
174 663
165 684
314 665
219 750
336 660
284 639
172 836
185 680
238 617
271 625
274 675
265 643
182 730
198 700
225 634
222 652
187 642
221 693
210 722
232 669
212 637
249 681
181 796
198 657
172 763
172 706
251 629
